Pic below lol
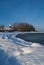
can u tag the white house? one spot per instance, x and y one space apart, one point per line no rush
9 27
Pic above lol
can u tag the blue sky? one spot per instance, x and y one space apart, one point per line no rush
30 11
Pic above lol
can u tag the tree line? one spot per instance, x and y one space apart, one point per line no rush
20 27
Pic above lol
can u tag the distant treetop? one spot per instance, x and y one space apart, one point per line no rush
23 27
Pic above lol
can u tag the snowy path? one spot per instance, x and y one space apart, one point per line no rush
15 51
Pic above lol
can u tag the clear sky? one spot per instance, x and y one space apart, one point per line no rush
30 11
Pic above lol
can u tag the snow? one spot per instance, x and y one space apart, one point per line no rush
15 51
36 45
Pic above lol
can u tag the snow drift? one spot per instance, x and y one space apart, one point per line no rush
15 51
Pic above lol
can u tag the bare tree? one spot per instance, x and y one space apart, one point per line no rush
23 27
2 28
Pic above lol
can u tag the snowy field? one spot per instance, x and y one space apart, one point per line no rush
15 51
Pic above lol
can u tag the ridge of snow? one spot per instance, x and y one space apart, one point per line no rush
12 53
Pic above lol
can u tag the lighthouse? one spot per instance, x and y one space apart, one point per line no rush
10 25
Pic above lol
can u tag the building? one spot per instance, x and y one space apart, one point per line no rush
9 28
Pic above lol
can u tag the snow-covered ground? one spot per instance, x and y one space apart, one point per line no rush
15 51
